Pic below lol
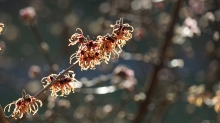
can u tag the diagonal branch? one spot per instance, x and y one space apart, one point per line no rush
142 110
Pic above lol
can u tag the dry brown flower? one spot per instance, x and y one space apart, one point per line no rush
27 104
65 84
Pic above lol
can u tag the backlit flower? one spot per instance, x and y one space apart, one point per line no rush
88 55
77 38
27 104
63 85
122 32
108 46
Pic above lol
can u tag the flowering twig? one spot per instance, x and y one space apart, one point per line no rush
9 118
89 54
27 104
94 52
142 110
59 76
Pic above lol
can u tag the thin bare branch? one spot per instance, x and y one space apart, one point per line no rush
41 43
142 110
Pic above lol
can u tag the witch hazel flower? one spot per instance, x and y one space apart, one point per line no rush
77 38
88 55
63 86
93 52
122 32
108 46
27 104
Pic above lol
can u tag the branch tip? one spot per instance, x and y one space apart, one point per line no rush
121 21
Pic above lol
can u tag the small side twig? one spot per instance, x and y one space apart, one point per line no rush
40 42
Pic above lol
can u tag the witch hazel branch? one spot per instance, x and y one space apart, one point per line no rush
90 53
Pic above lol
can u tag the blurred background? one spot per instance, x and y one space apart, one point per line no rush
188 83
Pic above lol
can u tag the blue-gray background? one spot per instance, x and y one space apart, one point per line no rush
57 21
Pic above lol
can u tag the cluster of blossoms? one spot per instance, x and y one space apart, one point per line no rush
27 104
65 84
94 52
